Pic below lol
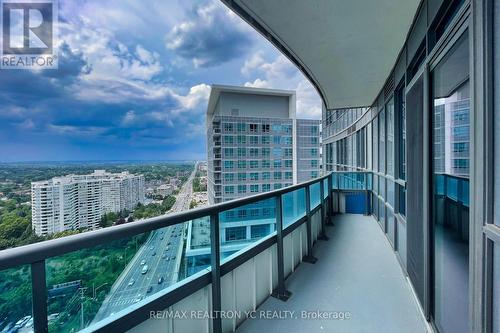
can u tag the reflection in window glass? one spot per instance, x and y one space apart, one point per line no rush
381 151
402 132
450 141
390 136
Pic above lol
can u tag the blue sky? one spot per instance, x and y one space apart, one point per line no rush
133 82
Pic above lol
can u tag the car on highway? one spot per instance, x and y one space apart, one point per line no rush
150 289
145 269
168 243
164 256
151 248
131 282
143 262
154 253
138 298
160 280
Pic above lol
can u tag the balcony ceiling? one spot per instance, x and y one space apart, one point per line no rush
346 48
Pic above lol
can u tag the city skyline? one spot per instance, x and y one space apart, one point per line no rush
138 90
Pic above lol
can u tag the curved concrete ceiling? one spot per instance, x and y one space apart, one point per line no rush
346 48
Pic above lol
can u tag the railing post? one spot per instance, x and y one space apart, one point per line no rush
330 200
322 235
280 293
215 263
309 258
39 290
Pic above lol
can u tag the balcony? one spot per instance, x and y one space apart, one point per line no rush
299 258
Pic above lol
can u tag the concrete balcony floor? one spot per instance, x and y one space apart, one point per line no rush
356 271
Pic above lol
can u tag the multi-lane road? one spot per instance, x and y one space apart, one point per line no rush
156 264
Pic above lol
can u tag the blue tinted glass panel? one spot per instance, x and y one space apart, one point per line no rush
15 300
452 188
496 288
241 227
293 206
315 191
325 188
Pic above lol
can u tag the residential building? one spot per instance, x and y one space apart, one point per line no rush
79 201
255 143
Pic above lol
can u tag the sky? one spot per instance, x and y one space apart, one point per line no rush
134 80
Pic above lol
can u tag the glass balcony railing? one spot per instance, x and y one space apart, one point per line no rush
110 279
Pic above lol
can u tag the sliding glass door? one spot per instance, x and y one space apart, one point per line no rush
450 114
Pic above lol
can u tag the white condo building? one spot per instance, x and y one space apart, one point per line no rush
79 201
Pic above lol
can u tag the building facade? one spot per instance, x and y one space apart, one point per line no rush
79 201
256 144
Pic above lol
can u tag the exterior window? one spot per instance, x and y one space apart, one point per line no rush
277 164
254 188
314 163
381 149
229 177
259 231
450 188
253 128
266 175
288 175
288 163
254 164
288 152
266 128
228 127
287 129
228 164
276 152
390 137
287 140
242 127
254 140
228 139
266 152
254 152
314 140
228 152
266 187
242 152
266 140
277 175
314 174
277 140
276 128
277 186
314 152
242 139
400 94
236 233
242 176
242 189
229 189
266 164
254 176
242 164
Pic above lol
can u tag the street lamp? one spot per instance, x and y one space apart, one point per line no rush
96 289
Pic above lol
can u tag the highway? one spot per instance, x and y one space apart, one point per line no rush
161 253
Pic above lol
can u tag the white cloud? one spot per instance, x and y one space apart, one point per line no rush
282 74
197 94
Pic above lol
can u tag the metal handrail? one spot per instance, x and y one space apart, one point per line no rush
36 254
28 254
